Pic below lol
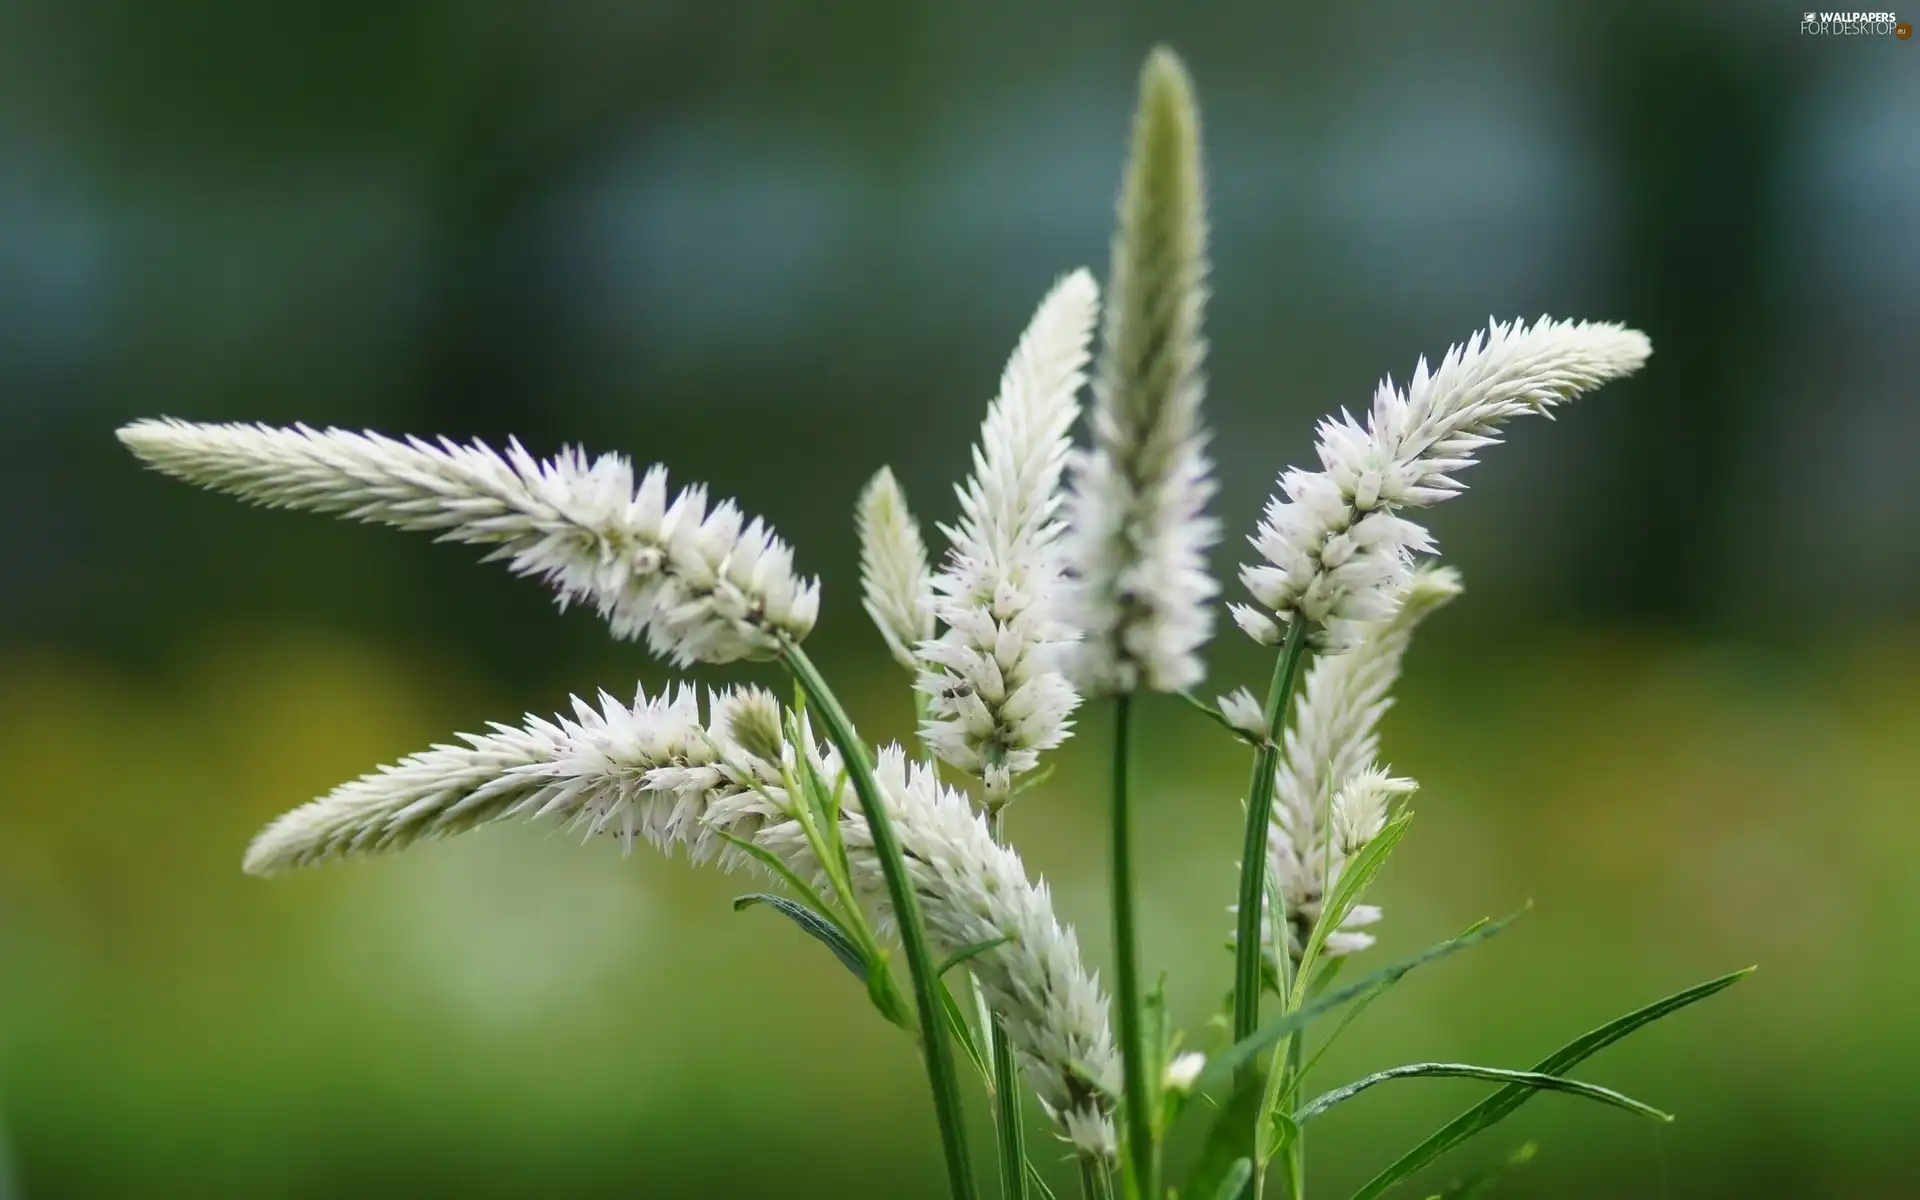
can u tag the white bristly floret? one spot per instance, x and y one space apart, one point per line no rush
1330 797
894 575
653 771
996 695
1240 710
1139 533
1334 547
703 585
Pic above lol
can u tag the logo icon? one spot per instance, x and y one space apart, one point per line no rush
1903 31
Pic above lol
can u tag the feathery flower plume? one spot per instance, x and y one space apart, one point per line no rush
996 696
1138 530
972 890
704 585
1335 548
1330 798
654 771
894 575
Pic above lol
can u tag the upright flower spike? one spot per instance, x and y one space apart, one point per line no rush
1335 548
996 694
1330 796
1139 530
894 576
653 771
703 584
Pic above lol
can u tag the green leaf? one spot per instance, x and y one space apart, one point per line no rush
1236 1181
1229 1061
1497 1106
967 952
1229 1142
1436 1070
766 858
1346 1018
963 1033
1275 1133
1480 1181
814 925
1036 779
1038 1184
1351 886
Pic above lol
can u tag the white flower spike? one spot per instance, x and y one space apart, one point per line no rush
1333 546
1330 798
894 575
1139 530
703 585
996 694
653 771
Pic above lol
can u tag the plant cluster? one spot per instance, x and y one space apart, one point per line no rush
1073 577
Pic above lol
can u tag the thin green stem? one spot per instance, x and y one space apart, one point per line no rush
1095 1183
941 1075
1006 1089
1253 849
1133 1049
1296 1151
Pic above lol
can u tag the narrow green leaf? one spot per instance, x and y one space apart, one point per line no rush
1437 1070
1230 1060
1481 1180
1038 1184
885 993
1351 886
766 858
1497 1106
814 925
1036 779
1236 1181
1347 1018
1229 1141
963 1034
967 952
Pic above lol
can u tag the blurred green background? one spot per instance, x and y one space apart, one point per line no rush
778 245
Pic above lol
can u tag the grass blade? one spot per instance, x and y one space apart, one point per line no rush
966 952
1236 1181
1244 1051
1038 1184
1348 890
1436 1070
963 1033
1480 1182
814 925
1496 1107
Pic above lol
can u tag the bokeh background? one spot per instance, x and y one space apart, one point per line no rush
778 245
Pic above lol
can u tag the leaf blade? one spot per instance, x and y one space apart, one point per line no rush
814 925
1497 1106
1225 1064
1536 1080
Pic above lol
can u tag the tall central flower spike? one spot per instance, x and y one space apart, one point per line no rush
1139 529
995 692
703 584
1335 550
653 771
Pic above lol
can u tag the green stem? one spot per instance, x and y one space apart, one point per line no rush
1095 1184
1006 1090
1133 1049
1253 849
941 1075
1296 1151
